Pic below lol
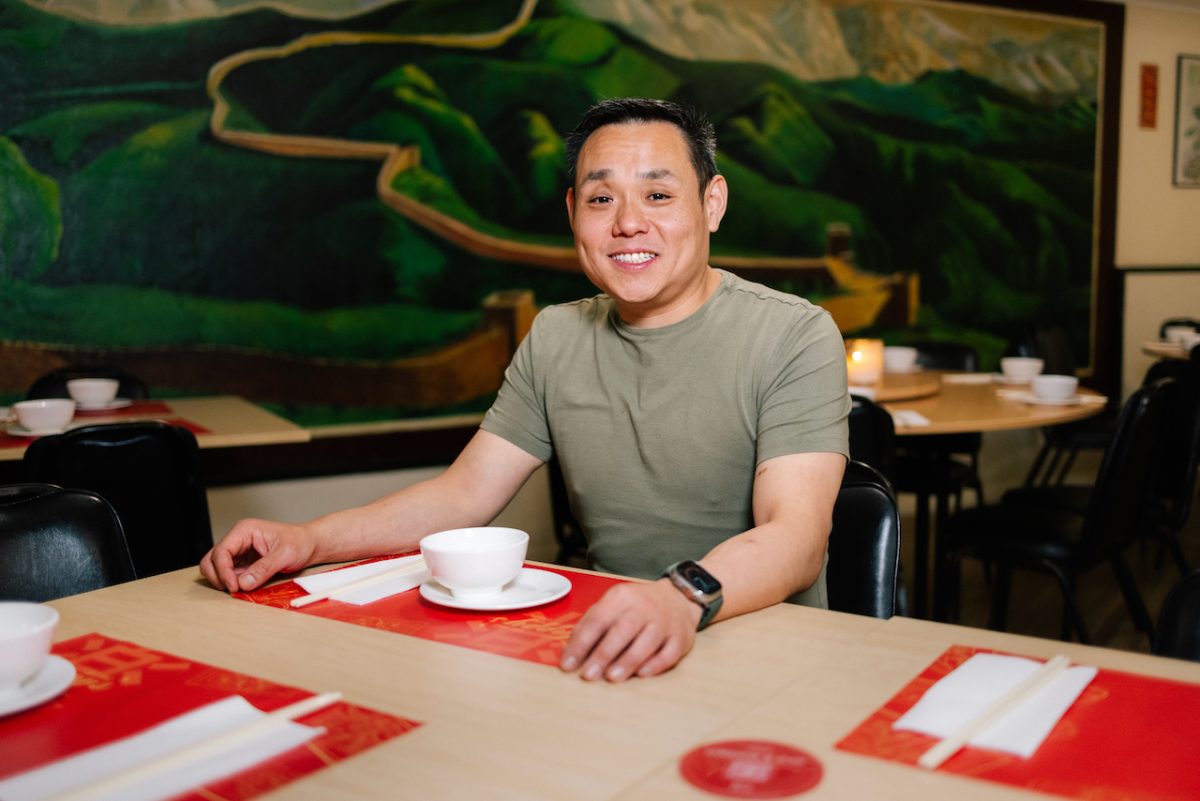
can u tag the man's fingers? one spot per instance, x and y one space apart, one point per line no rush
616 639
647 643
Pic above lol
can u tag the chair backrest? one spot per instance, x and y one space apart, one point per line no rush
864 545
1127 470
56 542
946 355
1175 480
872 436
1052 345
1178 631
54 383
149 472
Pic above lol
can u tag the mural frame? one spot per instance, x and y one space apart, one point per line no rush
1186 97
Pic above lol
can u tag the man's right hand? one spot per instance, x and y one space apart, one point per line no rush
255 550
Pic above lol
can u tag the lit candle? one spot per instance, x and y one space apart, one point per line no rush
864 361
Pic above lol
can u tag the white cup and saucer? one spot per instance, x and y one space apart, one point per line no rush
1054 390
42 417
481 568
96 394
29 673
1019 369
900 359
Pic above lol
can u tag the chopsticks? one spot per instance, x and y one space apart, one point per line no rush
1032 683
379 578
200 750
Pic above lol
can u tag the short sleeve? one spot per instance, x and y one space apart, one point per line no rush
519 412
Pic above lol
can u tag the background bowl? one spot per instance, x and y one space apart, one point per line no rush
1054 387
1020 368
26 632
475 562
899 359
93 391
49 414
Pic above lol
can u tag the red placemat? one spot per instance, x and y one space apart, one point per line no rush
538 634
122 688
1127 738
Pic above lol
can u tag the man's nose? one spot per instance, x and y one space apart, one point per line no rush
629 220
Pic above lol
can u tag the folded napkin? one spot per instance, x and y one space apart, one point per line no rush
331 580
969 378
909 417
974 685
89 767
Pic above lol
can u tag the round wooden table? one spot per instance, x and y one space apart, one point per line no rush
901 386
1166 350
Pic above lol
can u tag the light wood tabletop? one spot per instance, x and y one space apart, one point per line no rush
901 386
1166 350
501 728
230 421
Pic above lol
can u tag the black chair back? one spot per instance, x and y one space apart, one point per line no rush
56 542
872 436
1178 633
54 383
946 355
1175 479
864 545
149 472
1052 345
1128 468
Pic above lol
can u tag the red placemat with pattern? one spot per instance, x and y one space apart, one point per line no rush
1127 738
538 634
122 688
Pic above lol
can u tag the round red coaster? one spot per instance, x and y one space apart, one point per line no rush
751 769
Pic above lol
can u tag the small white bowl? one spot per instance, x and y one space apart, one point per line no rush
899 359
93 391
475 562
26 632
48 414
1178 333
1054 387
1020 369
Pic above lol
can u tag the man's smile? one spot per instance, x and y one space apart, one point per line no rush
635 258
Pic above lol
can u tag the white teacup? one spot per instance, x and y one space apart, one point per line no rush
899 359
93 391
475 562
26 632
1179 333
48 414
1020 369
1054 387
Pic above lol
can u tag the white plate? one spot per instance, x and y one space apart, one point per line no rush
1029 397
49 682
531 587
115 403
968 378
18 430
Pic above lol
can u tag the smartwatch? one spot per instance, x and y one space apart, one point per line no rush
699 586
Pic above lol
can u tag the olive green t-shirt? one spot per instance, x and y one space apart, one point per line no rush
659 430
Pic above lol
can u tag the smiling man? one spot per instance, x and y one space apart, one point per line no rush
700 420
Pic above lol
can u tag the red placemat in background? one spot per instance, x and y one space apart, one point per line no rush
122 688
1127 737
537 634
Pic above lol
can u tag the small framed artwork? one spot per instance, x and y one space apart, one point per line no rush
1187 123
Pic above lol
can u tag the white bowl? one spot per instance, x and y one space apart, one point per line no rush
49 414
1178 333
1054 387
1020 368
93 391
26 632
899 359
475 562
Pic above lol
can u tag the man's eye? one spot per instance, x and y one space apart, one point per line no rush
600 199
659 196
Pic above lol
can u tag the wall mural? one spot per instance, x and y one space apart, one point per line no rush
351 209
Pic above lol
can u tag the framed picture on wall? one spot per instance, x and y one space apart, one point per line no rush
1187 123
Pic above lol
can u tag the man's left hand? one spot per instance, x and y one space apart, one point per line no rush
635 629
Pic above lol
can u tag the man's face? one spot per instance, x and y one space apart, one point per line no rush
641 229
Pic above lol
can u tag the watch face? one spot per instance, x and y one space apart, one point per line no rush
699 578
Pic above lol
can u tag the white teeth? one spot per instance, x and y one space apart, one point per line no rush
633 258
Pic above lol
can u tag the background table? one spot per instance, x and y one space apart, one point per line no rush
501 728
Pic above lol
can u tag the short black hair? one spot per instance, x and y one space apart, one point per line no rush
697 131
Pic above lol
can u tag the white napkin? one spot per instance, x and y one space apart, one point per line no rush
863 391
909 417
180 732
332 579
975 684
969 378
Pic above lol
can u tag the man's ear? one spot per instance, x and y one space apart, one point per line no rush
571 207
716 199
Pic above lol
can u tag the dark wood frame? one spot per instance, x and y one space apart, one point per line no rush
1180 59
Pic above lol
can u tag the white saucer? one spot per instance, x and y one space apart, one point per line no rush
49 682
1029 397
531 587
115 403
18 430
1012 382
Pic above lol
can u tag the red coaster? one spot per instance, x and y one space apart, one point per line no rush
751 769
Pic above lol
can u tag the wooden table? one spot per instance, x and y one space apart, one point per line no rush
901 386
501 728
1166 350
962 408
230 420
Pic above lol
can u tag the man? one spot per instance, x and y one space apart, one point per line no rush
696 416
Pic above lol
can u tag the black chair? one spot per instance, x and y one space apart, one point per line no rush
1063 542
56 542
872 436
54 383
1179 622
149 472
862 576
